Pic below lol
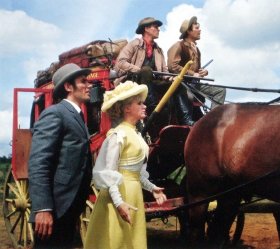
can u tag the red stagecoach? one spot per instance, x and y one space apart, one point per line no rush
166 161
166 141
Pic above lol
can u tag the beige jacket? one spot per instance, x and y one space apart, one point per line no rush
179 54
132 56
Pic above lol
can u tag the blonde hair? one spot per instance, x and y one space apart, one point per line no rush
116 112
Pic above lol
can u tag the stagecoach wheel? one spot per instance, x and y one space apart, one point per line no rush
16 212
84 218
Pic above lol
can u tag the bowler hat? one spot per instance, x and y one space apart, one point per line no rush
146 22
123 91
186 26
66 73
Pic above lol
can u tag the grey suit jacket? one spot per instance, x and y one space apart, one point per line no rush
60 159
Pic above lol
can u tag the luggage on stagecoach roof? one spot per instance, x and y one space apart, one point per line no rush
45 76
83 56
103 48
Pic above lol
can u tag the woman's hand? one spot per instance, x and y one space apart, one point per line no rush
124 211
159 195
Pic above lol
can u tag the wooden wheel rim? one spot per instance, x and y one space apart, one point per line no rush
16 212
85 216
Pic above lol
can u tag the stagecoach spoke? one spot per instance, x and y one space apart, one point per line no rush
15 224
11 213
25 232
14 190
23 186
29 227
9 200
19 188
21 229
26 192
27 211
30 232
90 205
84 218
24 189
95 191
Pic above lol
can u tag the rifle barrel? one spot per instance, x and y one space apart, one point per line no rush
185 76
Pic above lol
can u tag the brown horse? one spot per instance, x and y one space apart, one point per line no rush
231 145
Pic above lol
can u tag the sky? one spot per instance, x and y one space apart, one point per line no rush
241 36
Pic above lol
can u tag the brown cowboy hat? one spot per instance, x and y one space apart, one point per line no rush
186 25
146 22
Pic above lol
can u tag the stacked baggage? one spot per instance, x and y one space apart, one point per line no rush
95 53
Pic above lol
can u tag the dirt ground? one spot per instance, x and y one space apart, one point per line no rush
259 233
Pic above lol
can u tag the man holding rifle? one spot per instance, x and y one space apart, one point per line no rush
139 58
183 51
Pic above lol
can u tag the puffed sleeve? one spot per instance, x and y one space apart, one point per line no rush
105 173
144 179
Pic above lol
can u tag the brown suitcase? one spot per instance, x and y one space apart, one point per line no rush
45 76
77 55
86 54
104 48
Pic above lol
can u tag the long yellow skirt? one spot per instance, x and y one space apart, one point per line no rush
107 230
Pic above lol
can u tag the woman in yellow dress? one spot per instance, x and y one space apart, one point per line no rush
118 219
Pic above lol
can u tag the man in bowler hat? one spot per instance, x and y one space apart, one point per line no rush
60 161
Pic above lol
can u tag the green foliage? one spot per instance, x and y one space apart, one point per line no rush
4 167
5 159
178 174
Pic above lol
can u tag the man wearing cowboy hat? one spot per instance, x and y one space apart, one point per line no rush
60 161
142 51
140 57
183 51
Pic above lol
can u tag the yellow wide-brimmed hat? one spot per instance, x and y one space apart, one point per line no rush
123 91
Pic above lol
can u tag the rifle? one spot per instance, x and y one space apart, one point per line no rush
177 81
207 64
187 77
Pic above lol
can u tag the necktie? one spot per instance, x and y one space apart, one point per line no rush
82 116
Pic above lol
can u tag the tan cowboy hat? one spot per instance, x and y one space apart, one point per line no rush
186 26
67 72
123 91
146 22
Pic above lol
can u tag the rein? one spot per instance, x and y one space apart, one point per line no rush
242 88
219 195
192 89
196 80
273 101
